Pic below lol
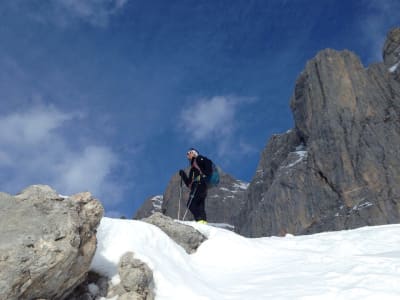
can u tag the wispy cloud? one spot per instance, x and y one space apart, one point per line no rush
381 16
33 149
65 12
31 126
86 170
216 120
96 12
209 117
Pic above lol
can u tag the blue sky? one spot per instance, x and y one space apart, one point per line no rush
108 95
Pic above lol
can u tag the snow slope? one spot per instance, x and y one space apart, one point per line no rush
356 264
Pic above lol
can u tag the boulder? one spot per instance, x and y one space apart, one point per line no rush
186 236
135 283
136 280
47 242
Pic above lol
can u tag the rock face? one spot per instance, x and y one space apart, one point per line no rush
339 167
150 206
223 203
185 236
391 52
46 242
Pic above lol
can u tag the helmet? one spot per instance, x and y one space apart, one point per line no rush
193 151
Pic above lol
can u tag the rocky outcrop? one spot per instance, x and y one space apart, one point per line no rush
223 203
339 167
391 52
136 280
150 206
135 283
46 242
136 277
186 236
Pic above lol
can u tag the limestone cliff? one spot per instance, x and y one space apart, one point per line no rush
339 167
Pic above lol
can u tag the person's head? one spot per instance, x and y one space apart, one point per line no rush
192 153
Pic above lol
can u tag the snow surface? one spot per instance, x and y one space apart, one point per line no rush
393 68
355 264
241 185
300 156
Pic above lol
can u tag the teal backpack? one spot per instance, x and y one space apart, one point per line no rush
213 178
211 173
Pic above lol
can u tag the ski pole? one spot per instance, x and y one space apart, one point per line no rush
189 203
180 198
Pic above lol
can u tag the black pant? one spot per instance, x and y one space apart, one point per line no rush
197 200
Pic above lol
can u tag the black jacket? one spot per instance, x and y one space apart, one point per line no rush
195 175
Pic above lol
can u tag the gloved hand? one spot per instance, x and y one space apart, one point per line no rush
181 173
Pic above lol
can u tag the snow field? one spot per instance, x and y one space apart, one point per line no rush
362 263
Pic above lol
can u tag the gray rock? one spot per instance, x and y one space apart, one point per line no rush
38 192
184 235
132 296
272 158
136 280
116 291
339 168
136 276
150 206
46 242
391 51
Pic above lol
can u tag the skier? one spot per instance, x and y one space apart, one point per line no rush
196 181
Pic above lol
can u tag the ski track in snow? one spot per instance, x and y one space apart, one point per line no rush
355 264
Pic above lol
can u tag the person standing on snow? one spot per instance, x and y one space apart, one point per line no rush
196 181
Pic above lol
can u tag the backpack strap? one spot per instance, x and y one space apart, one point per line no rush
202 175
197 166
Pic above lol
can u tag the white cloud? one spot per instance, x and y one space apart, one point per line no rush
209 117
34 148
215 121
5 159
120 3
32 126
64 13
96 12
86 170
